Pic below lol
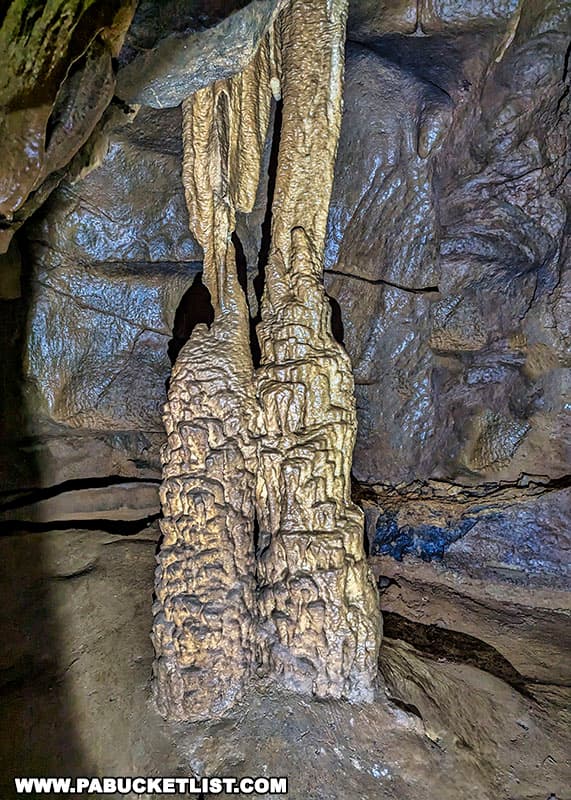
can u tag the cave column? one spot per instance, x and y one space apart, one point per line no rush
205 610
319 615
278 441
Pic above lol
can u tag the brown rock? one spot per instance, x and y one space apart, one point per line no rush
97 347
181 65
118 502
447 15
369 17
50 107
443 388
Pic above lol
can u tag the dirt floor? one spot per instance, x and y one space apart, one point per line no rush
450 720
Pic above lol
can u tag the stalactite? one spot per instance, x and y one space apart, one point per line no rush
277 442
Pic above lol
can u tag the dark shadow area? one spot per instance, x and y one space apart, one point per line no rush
266 240
441 643
122 527
39 736
241 263
337 327
433 59
74 484
242 270
256 535
265 243
195 308
383 282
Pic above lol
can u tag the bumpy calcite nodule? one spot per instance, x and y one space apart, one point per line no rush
275 443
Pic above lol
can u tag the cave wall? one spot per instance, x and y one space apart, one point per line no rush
446 253
447 261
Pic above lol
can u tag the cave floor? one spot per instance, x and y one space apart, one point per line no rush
76 694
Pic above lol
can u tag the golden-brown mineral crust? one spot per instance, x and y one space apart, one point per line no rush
205 611
319 614
205 578
320 625
278 442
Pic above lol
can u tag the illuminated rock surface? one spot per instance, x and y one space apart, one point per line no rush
446 260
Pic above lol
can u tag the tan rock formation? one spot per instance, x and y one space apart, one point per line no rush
205 611
318 606
278 442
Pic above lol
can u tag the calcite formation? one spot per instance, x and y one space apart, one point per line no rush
318 608
262 565
204 631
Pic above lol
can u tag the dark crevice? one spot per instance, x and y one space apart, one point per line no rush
337 327
266 238
70 576
256 536
222 136
383 582
117 527
241 263
73 485
366 542
442 643
242 270
532 485
382 282
195 308
408 708
265 242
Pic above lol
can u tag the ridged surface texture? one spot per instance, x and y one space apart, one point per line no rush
264 454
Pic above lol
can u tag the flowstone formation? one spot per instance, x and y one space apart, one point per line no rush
204 624
264 454
318 608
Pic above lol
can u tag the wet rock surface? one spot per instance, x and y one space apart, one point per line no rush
446 251
57 80
446 246
181 64
98 341
105 266
447 260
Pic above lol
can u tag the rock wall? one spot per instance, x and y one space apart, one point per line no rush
57 80
446 263
447 252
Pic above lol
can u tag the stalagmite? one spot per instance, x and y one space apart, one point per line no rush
275 443
320 626
205 609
